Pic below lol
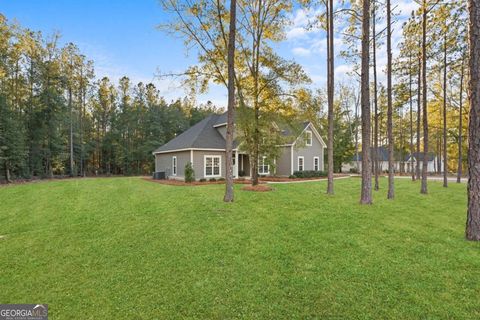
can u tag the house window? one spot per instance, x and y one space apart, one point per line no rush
263 167
300 163
308 138
316 163
212 166
174 165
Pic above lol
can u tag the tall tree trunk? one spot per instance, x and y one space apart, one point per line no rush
330 89
439 148
460 127
356 132
375 98
71 129
411 121
423 188
419 115
366 192
231 103
255 155
7 171
256 105
391 190
472 231
81 96
445 181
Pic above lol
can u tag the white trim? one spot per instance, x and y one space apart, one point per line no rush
235 173
318 159
174 165
191 157
312 127
298 163
317 134
205 166
307 132
291 159
187 149
220 125
263 165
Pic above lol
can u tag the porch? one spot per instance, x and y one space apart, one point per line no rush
241 165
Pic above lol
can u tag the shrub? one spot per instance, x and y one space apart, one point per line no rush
353 170
221 179
189 173
241 173
203 180
212 179
291 176
309 174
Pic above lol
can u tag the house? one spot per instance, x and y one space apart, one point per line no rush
401 163
432 162
204 146
382 156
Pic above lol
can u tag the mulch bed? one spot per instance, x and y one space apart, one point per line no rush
286 179
195 183
262 181
257 188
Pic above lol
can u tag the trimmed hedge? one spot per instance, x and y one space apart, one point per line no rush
309 174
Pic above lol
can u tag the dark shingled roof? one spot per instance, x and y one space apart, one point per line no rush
204 135
419 156
201 135
382 154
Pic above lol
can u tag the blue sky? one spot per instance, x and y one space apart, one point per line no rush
121 38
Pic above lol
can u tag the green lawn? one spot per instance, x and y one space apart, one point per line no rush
126 248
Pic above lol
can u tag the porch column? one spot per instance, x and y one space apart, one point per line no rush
235 169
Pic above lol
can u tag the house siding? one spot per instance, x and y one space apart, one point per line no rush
308 153
223 131
163 162
284 161
199 162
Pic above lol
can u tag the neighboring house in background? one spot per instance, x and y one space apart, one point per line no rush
432 162
382 156
404 163
204 146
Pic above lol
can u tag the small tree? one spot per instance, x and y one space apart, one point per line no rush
189 173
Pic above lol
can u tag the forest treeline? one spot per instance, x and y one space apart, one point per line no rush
56 118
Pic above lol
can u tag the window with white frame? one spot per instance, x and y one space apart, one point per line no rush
308 138
212 166
174 165
301 163
263 167
316 163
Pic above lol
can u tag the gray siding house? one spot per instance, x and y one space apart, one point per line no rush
204 146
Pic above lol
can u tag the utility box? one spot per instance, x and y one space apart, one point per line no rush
159 175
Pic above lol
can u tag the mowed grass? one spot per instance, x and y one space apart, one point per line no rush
126 248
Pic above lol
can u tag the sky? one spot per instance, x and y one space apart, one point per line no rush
121 38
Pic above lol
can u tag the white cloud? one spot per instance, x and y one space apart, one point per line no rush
299 51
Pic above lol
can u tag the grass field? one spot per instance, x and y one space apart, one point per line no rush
125 248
